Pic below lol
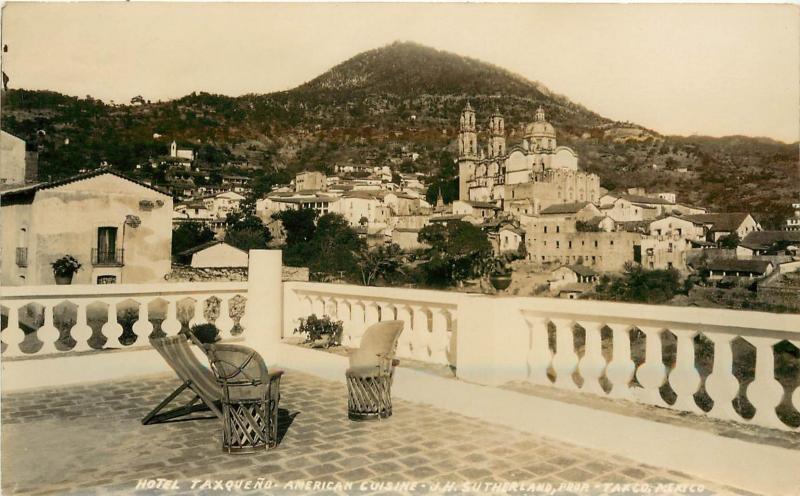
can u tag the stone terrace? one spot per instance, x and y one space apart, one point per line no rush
87 439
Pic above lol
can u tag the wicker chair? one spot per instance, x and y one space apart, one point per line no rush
369 378
179 356
250 396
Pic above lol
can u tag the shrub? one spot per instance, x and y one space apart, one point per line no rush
205 333
322 331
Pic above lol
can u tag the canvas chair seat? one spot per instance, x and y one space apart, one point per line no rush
178 354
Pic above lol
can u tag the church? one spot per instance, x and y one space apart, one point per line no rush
525 178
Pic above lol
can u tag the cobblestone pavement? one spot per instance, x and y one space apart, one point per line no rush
87 439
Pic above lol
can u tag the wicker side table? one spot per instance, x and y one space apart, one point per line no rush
250 397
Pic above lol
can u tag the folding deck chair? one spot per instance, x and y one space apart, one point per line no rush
198 378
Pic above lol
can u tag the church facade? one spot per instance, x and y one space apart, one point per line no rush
525 177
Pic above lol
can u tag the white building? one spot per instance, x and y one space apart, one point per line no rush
214 254
119 230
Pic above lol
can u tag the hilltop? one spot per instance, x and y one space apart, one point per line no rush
382 105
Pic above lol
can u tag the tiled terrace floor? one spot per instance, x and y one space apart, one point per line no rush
88 439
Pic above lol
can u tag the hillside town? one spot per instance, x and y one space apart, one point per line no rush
556 230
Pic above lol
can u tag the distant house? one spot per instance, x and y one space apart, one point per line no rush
214 254
180 153
119 229
479 210
407 238
571 274
509 238
575 211
750 269
768 243
721 225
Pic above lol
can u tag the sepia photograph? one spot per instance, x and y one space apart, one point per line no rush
399 248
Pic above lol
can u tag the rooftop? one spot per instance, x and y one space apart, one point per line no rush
89 437
728 221
564 208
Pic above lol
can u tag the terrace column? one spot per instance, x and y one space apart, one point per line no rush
264 308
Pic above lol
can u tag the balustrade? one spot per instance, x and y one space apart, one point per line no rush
74 324
721 327
428 315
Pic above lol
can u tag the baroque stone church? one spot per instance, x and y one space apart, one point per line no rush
525 178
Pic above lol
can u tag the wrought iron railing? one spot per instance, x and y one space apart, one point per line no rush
108 258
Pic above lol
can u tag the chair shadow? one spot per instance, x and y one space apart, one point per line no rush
285 420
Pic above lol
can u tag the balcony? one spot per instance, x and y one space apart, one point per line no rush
22 257
490 389
108 258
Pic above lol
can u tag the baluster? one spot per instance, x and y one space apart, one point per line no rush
357 321
721 385
225 322
48 334
621 368
343 314
765 393
13 335
372 314
330 307
112 327
318 307
539 354
684 378
171 325
565 361
593 364
198 317
143 327
81 332
404 343
440 337
421 334
652 373
387 311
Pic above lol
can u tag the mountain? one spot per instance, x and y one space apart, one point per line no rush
381 106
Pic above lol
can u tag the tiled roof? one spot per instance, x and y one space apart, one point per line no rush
477 204
765 239
30 190
733 264
729 221
564 208
582 270
646 199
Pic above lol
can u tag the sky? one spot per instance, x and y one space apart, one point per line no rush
678 69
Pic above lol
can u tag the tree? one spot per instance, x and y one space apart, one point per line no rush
190 234
245 229
639 285
459 251
381 262
730 241
334 246
298 225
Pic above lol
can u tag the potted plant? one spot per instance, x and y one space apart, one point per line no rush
500 274
320 332
64 268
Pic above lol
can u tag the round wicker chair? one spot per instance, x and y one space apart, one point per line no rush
250 396
369 378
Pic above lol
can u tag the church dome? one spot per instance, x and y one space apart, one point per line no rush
540 128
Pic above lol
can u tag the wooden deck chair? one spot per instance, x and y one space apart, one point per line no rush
199 379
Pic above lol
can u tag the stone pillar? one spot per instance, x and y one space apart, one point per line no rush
264 326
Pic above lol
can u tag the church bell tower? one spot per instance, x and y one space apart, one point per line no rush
497 144
467 151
